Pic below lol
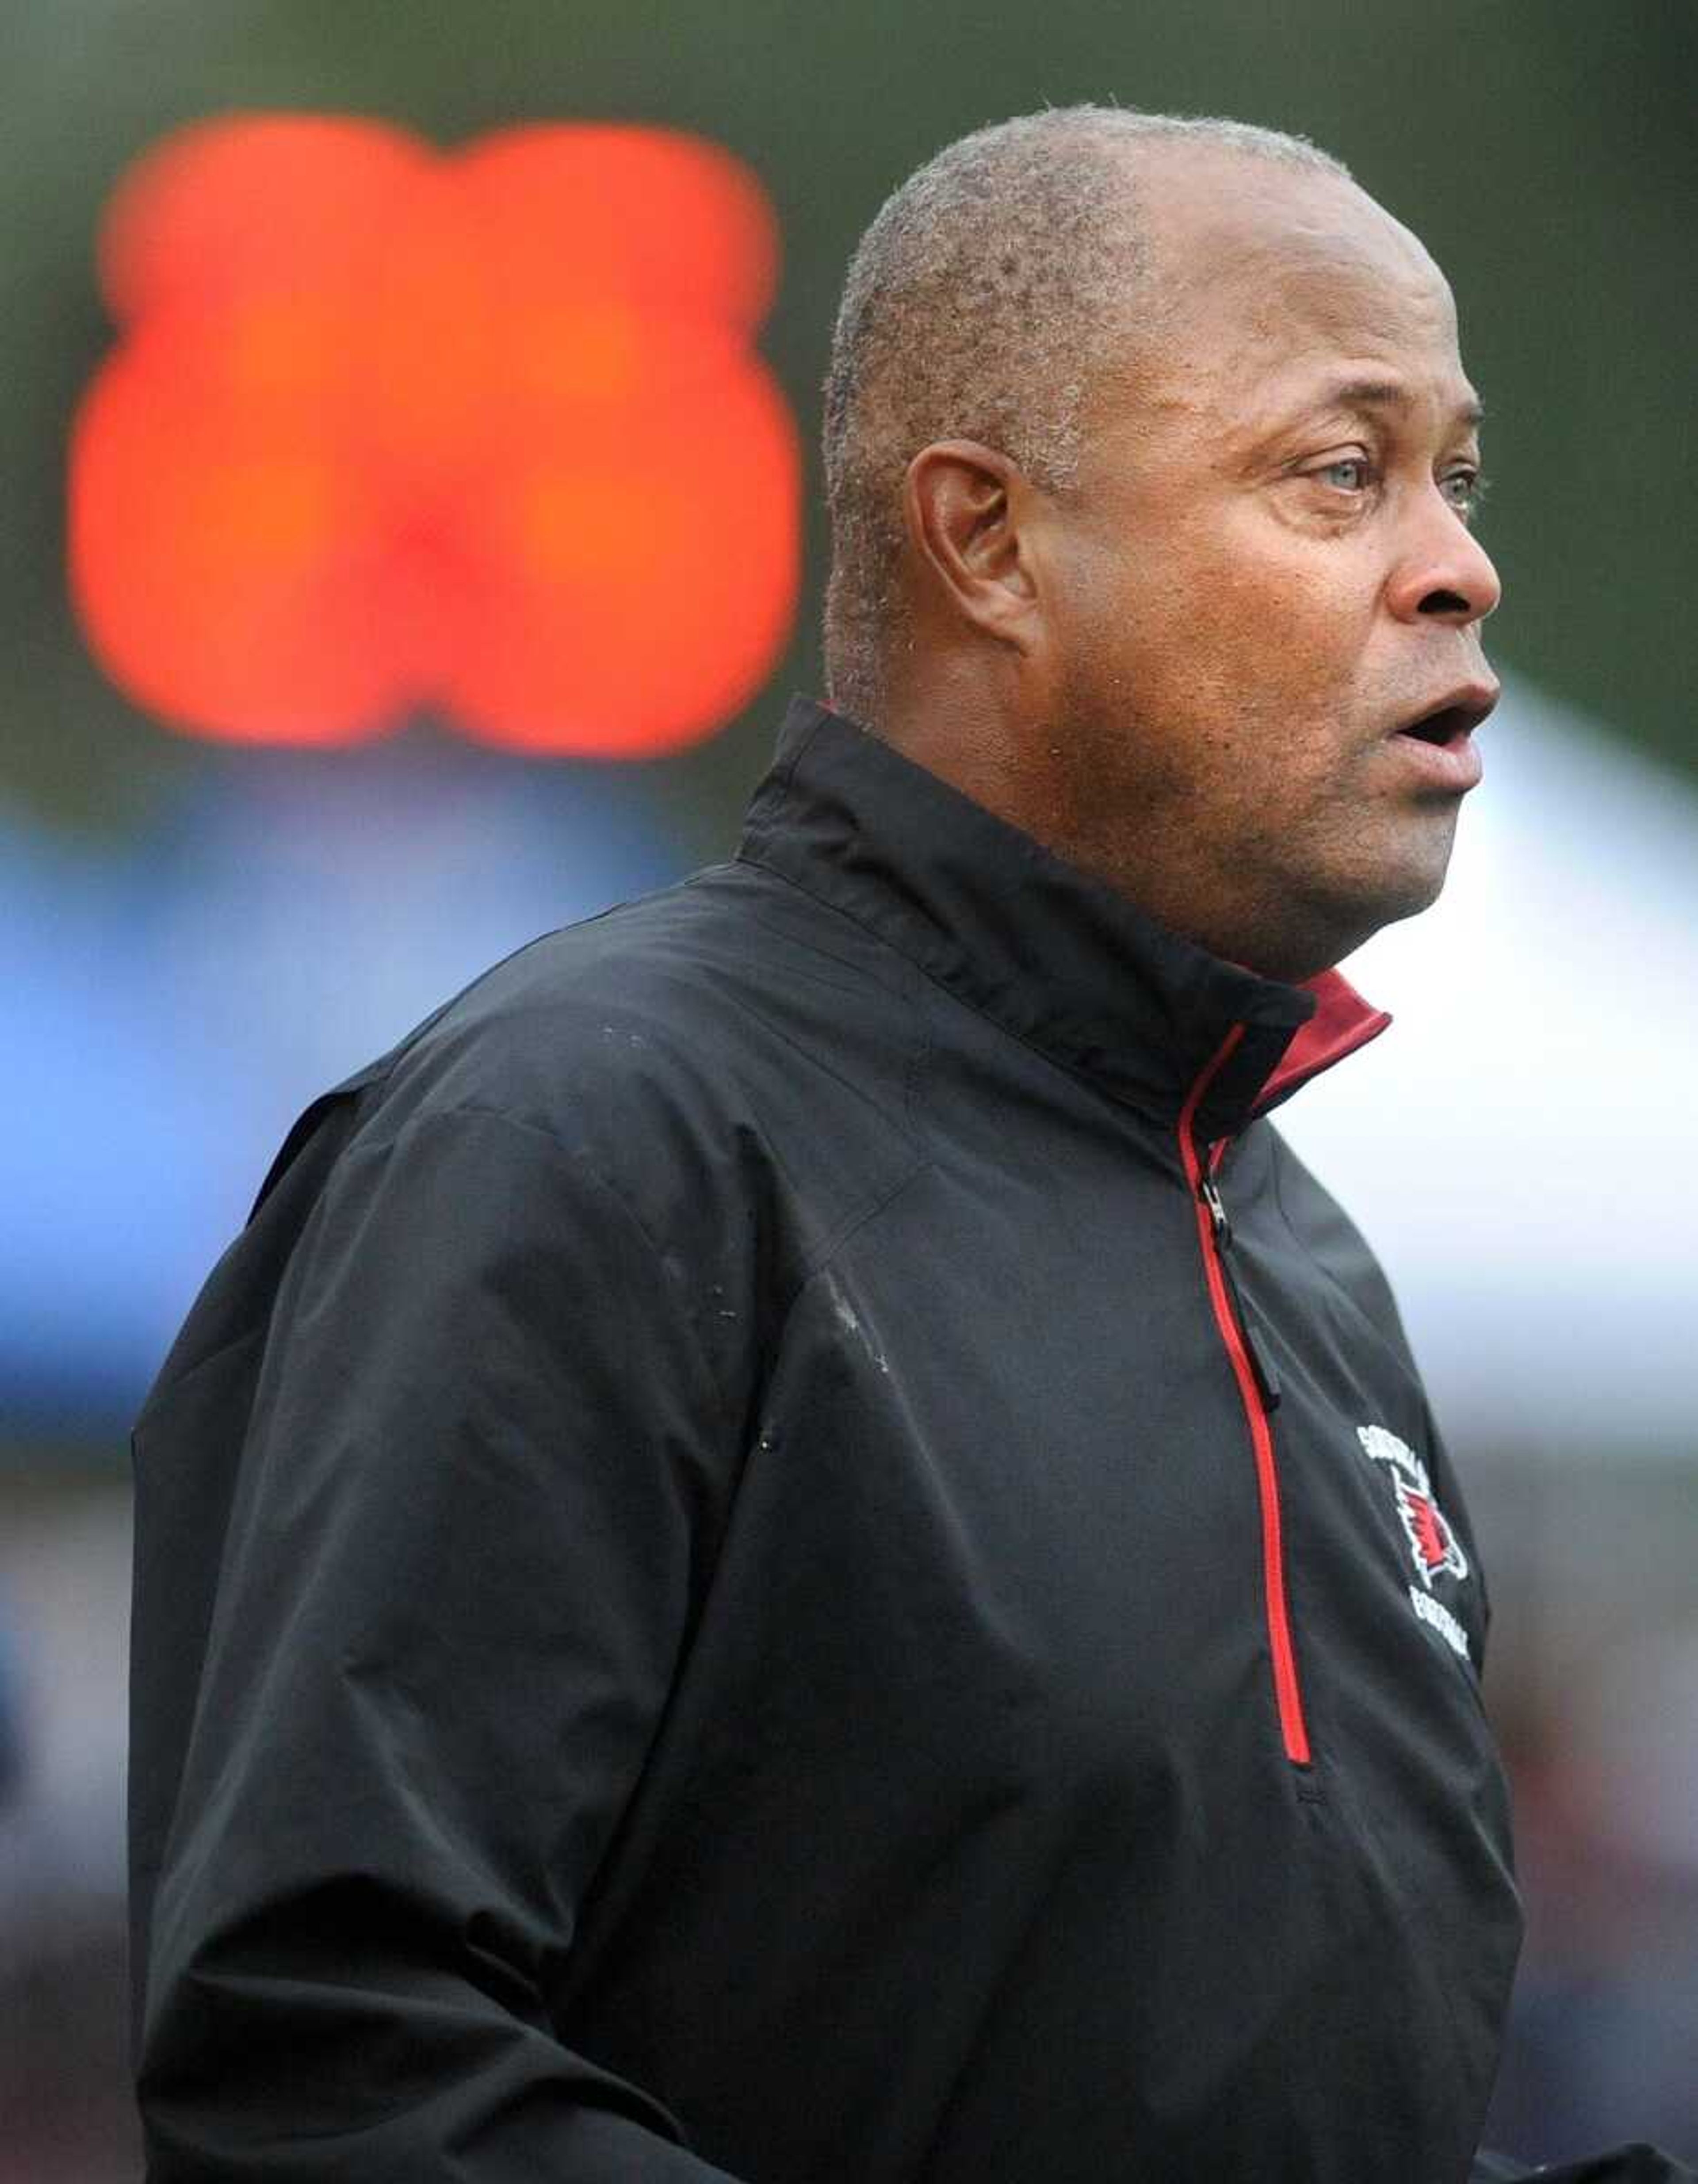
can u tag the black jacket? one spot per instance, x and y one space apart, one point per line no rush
734 1575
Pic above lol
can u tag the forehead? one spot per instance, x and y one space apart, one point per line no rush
1270 281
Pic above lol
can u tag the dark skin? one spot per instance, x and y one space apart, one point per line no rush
1192 672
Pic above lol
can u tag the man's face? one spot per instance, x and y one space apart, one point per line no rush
1266 572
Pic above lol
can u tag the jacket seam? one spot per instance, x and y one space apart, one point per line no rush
1277 1165
580 1160
783 778
849 1228
813 1266
1075 1074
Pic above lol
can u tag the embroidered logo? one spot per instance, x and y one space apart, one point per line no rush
1434 1547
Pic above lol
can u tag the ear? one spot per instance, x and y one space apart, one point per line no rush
964 505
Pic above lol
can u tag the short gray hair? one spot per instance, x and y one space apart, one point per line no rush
982 304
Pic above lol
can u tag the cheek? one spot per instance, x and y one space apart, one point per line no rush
1285 618
1288 676
1233 646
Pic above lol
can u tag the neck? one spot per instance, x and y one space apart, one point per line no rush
953 726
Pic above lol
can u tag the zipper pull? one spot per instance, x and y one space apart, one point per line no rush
1218 1213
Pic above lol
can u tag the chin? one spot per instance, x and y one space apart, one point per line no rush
1406 875
1391 905
1338 923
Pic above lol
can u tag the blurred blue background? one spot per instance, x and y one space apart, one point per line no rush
197 937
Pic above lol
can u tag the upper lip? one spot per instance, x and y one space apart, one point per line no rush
1466 703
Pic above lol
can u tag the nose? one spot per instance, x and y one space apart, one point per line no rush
1446 574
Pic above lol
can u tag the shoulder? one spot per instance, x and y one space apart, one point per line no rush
701 1054
708 1002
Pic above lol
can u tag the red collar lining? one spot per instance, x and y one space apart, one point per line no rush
1343 1022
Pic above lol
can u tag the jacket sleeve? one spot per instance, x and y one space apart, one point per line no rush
460 1531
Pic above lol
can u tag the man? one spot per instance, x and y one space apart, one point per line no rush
794 1546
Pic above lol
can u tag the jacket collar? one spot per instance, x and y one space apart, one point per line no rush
1063 962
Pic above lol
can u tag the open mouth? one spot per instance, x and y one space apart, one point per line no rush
1449 724
1445 726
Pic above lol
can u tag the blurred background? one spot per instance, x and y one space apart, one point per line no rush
311 703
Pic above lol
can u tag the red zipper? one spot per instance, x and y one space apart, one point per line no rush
1212 1233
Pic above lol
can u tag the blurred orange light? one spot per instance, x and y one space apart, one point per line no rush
387 427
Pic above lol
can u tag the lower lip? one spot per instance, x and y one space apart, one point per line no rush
1455 764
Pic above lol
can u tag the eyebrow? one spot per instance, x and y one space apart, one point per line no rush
1388 394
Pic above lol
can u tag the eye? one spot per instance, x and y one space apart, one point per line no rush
1464 490
1347 473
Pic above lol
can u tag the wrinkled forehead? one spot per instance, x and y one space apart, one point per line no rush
1256 269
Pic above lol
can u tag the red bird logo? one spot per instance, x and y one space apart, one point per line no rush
1433 1546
